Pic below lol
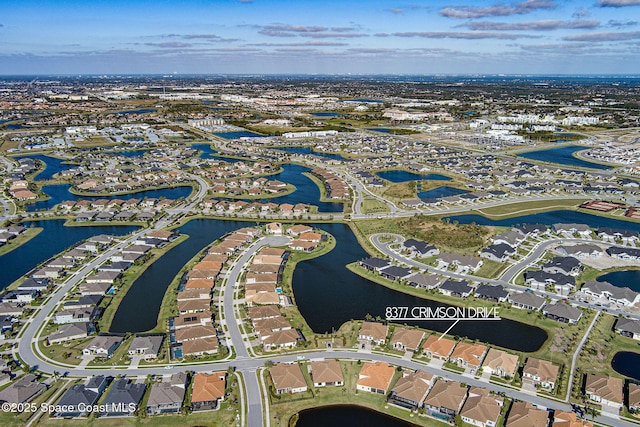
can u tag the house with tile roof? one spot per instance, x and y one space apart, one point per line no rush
375 377
208 390
287 378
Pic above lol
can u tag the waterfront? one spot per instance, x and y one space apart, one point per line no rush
139 308
623 279
563 156
326 292
238 134
627 363
60 192
549 218
53 165
54 238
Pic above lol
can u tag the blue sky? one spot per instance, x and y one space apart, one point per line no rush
320 37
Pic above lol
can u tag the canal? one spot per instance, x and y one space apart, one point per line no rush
326 292
54 238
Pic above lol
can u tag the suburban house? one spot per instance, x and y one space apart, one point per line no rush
634 397
568 419
394 272
456 288
326 373
374 264
562 312
22 390
373 332
500 363
438 348
208 390
563 265
286 338
406 339
628 327
468 355
615 294
411 390
481 408
445 399
541 372
419 248
423 281
524 414
123 398
495 293
69 331
499 252
288 378
102 346
147 346
583 250
167 396
605 390
375 377
526 301
80 396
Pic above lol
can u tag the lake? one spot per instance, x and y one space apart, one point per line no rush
239 134
140 111
440 192
210 153
54 238
627 363
347 416
563 156
398 175
623 279
327 114
549 218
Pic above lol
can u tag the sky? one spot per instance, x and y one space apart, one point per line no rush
319 37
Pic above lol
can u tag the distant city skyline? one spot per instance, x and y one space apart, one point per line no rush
313 37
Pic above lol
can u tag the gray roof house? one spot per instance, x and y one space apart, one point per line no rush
122 398
149 346
23 390
69 331
620 296
376 264
456 288
78 397
562 312
498 252
563 265
102 346
629 328
526 300
425 281
494 293
168 395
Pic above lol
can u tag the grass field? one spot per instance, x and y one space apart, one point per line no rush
527 208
